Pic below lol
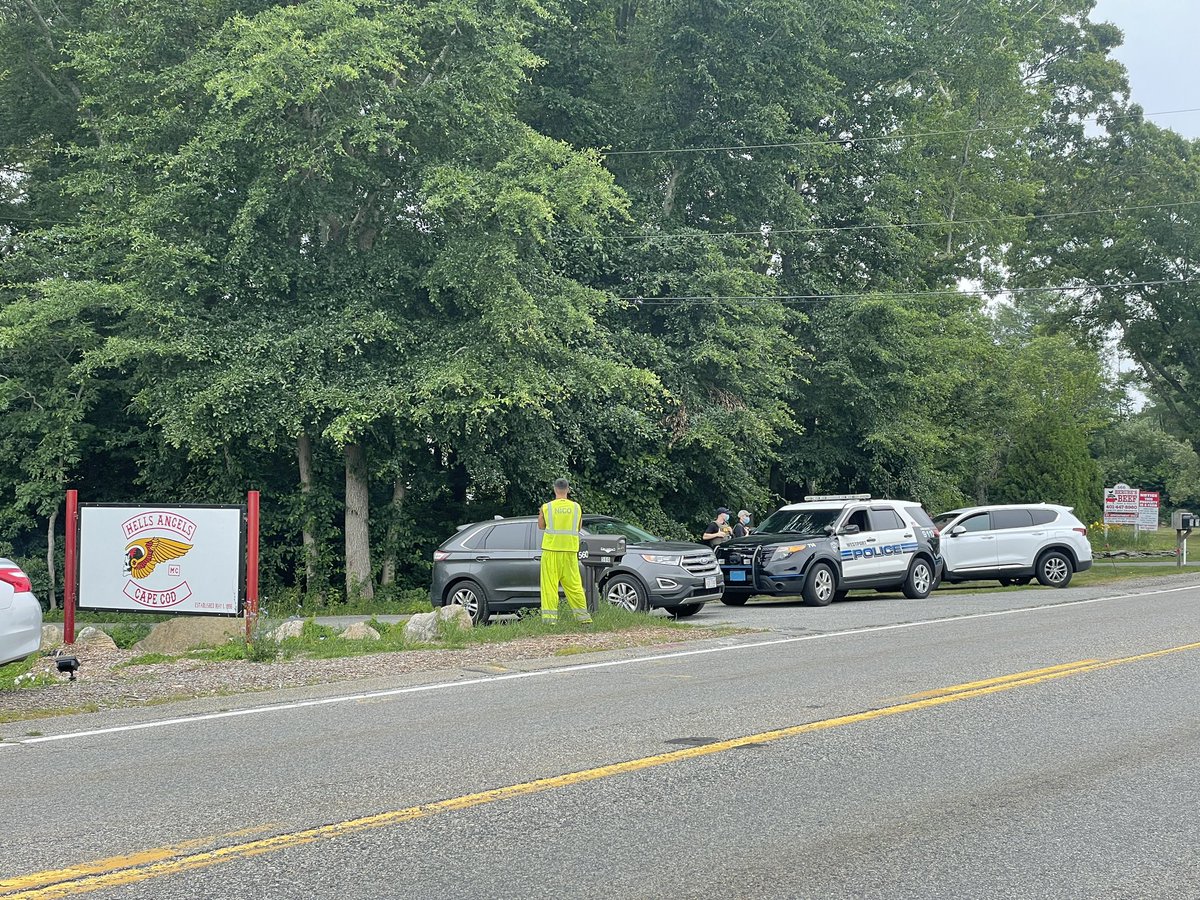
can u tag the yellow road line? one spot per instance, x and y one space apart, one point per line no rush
970 685
193 861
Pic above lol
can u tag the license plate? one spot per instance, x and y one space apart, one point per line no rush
710 581
737 575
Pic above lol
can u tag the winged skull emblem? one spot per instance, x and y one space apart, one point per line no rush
141 556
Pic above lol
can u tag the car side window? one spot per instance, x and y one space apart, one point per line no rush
1043 516
859 518
1011 518
507 536
977 522
885 519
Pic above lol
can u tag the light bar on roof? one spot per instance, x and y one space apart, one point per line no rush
813 497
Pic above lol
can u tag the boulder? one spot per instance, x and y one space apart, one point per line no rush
52 636
425 627
292 628
360 631
95 639
190 632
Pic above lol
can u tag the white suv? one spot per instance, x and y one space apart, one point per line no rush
1014 544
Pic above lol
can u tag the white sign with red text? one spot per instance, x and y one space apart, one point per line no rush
1121 505
1148 502
179 559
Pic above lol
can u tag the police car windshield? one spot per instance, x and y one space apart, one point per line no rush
631 533
799 521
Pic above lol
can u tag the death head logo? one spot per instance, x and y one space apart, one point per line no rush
144 554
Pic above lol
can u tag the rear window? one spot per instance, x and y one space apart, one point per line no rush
1011 518
1043 516
507 536
919 516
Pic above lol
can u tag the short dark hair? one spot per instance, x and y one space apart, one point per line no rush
561 484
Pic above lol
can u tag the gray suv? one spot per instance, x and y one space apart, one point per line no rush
495 567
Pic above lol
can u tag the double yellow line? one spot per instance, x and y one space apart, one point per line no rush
186 857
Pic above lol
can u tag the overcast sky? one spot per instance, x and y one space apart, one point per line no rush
1161 56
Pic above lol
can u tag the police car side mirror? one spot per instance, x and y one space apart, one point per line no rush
957 530
849 529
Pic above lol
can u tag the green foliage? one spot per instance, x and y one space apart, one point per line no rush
1050 462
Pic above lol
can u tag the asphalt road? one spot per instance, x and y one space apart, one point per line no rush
1022 744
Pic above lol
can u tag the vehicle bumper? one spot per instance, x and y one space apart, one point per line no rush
744 579
1083 565
673 586
23 629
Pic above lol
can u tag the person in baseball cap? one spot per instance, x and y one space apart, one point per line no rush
718 530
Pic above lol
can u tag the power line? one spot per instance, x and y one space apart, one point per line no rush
769 299
893 225
831 140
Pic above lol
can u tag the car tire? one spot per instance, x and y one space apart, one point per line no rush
918 584
1054 569
734 599
684 610
820 586
1014 582
626 592
470 595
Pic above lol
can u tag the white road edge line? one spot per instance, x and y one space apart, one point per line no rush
562 670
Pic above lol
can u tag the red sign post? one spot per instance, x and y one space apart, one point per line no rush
251 563
71 567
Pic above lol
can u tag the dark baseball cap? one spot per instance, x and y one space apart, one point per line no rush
722 509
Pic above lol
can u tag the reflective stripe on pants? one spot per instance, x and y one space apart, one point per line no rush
562 567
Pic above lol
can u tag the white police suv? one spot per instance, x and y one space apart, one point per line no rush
829 545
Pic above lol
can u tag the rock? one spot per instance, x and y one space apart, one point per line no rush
425 627
292 628
190 632
95 639
360 631
52 636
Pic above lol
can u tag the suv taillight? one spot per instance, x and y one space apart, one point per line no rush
1082 530
439 555
19 580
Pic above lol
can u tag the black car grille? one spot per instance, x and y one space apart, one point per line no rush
700 564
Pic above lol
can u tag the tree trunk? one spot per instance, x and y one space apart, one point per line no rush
399 492
304 458
358 527
50 556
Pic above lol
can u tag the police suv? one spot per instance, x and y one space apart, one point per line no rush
826 546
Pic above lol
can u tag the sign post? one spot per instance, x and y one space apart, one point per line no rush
251 563
71 568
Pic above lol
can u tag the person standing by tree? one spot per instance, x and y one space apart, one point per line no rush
560 521
742 527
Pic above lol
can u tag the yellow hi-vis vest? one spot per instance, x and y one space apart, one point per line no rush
563 520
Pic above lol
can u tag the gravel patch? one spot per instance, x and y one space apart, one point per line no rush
103 683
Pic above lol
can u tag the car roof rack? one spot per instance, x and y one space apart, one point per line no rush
814 497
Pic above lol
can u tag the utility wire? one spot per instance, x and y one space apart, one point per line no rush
899 135
769 299
768 232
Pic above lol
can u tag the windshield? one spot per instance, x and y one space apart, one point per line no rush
799 521
631 533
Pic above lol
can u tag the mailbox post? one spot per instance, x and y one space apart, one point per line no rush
598 552
1183 522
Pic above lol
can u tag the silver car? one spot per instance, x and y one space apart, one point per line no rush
20 614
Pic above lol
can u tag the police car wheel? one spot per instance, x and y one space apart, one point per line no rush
682 612
1054 570
731 599
627 593
819 586
469 595
919 583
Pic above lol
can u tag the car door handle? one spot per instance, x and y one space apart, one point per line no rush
870 540
482 558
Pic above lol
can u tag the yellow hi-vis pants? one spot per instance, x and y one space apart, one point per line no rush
562 567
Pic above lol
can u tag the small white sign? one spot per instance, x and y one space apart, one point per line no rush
182 559
1148 506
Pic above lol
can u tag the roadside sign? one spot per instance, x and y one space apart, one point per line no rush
178 559
1148 506
1121 505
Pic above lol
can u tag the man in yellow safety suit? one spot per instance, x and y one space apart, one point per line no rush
560 521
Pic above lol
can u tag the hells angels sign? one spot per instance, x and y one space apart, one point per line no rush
178 559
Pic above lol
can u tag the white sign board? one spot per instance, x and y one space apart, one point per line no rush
179 559
1148 511
1121 505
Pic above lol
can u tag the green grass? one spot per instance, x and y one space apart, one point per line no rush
1125 537
1101 572
17 676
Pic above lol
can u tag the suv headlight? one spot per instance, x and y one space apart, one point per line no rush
662 559
785 552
